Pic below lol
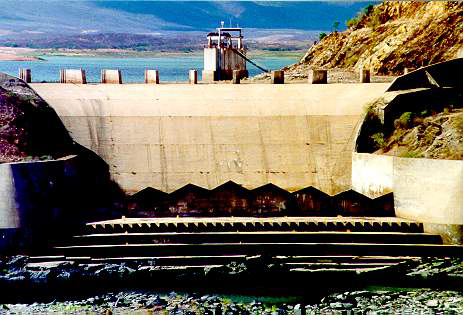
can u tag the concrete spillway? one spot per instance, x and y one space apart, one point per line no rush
166 136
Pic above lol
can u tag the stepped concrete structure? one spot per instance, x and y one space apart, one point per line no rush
169 135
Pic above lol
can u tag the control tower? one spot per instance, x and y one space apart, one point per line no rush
224 53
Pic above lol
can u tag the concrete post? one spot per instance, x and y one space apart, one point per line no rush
76 76
278 77
318 76
236 76
209 76
25 75
111 76
364 75
193 77
151 76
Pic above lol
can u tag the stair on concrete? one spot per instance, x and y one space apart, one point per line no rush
258 224
301 243
265 249
256 237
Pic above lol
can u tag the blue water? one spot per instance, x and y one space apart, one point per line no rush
171 68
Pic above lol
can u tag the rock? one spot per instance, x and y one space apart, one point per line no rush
336 305
17 262
347 306
432 303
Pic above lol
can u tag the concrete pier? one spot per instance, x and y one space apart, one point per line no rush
364 75
111 76
193 77
278 77
76 76
152 76
209 76
318 76
236 77
25 75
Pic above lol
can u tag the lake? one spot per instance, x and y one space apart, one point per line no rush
171 68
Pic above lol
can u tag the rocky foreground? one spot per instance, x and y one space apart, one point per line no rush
427 286
420 301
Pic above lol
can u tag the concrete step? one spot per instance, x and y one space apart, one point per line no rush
256 237
224 224
269 249
321 261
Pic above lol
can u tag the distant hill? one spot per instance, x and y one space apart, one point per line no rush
44 17
200 15
138 42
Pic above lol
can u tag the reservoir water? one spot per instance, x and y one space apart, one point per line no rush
171 68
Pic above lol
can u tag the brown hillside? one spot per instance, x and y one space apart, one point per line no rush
392 36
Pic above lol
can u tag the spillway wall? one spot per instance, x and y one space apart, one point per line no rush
169 135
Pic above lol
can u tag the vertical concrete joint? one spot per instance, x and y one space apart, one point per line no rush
278 77
25 75
151 76
318 76
193 77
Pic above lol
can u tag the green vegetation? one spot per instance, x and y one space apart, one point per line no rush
322 35
378 139
413 155
404 121
369 17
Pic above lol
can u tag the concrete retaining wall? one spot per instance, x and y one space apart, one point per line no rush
427 190
42 200
28 203
167 136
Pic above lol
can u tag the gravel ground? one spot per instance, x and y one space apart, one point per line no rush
299 74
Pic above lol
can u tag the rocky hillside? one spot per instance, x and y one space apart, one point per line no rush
29 128
438 136
392 36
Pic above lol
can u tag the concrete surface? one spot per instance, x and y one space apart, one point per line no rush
424 189
27 202
372 174
169 135
193 76
37 197
25 75
111 76
152 76
443 74
277 77
76 76
318 76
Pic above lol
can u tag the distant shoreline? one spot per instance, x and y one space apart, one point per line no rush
30 54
